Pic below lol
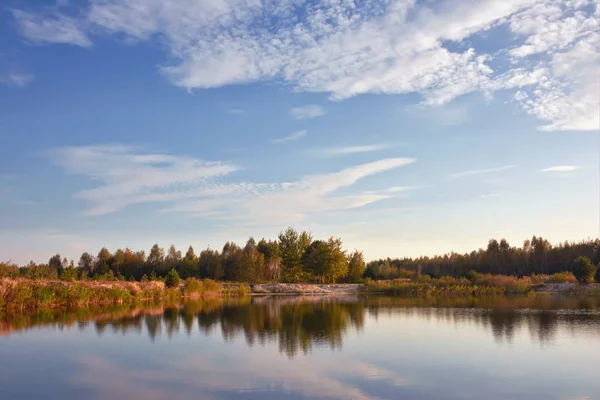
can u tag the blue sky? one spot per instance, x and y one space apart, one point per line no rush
403 127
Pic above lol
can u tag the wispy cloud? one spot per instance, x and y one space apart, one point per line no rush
291 137
307 112
16 79
398 189
481 171
291 202
56 28
127 176
346 150
561 168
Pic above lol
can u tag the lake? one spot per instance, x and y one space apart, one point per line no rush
308 348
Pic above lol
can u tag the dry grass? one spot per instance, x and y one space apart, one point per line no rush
484 285
559 277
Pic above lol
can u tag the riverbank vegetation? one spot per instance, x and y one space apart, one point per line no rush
27 294
296 257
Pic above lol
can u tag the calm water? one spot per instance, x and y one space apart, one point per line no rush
308 348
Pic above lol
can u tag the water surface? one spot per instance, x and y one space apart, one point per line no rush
308 348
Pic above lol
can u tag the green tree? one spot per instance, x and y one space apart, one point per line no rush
291 247
102 262
233 268
210 264
156 260
172 279
189 265
584 270
326 260
173 258
253 263
86 262
55 263
356 266
272 260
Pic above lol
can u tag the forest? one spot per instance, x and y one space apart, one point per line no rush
298 257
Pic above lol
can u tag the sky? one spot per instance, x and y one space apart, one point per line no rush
404 127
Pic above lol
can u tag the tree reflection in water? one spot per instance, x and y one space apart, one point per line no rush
297 324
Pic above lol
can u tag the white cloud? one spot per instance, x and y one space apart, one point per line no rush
561 168
345 49
57 28
398 189
307 112
291 202
341 151
125 176
481 171
16 79
291 137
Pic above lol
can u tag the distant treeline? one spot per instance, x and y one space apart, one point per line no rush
535 256
297 257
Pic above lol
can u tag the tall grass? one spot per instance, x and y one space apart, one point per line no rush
484 285
22 294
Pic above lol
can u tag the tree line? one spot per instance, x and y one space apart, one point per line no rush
298 257
535 256
293 257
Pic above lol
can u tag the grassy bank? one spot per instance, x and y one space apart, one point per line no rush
480 285
26 294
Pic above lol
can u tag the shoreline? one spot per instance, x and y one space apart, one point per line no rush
23 294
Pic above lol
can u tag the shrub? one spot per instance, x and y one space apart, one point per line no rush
472 275
172 279
211 286
562 277
584 270
192 286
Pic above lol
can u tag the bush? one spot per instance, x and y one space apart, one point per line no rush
192 286
472 275
172 279
584 270
562 277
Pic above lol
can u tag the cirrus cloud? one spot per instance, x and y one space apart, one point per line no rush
126 175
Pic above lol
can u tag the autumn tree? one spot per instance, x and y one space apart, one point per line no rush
253 263
272 260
